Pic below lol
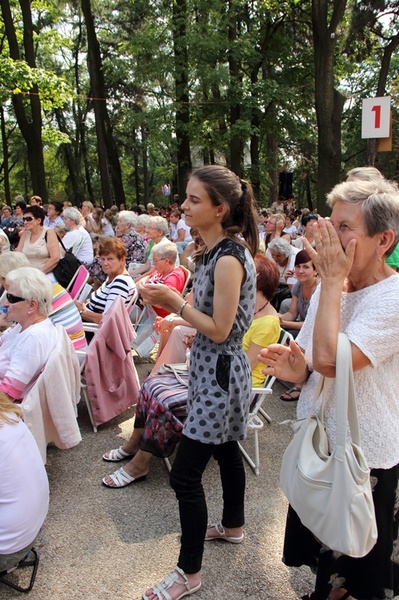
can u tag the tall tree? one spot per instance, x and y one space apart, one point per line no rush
326 17
108 155
28 115
179 27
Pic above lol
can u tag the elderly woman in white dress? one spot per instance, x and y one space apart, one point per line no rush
26 347
358 295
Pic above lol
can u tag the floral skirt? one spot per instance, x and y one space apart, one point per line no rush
160 412
373 577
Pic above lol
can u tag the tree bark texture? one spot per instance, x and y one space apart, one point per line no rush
28 114
182 96
108 157
326 16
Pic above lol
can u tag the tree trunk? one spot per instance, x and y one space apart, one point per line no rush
236 146
182 97
381 87
29 125
6 156
107 151
329 102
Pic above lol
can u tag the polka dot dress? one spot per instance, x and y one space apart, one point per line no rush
220 375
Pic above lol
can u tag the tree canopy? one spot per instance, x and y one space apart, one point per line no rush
108 100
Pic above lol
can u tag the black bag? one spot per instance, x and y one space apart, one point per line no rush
282 293
66 267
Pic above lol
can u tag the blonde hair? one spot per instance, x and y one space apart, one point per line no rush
6 406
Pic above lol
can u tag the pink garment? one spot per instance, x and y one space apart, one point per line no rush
112 380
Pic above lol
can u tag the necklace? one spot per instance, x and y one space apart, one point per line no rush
261 308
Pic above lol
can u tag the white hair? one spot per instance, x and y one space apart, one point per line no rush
32 284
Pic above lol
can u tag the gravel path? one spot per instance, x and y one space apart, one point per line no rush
99 543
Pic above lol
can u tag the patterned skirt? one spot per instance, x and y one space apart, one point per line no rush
373 577
161 410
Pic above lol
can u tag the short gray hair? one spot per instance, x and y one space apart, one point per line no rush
364 174
72 213
379 201
160 223
32 284
281 245
144 220
128 217
11 261
166 250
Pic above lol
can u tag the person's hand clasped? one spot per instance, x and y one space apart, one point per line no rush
331 260
157 294
284 362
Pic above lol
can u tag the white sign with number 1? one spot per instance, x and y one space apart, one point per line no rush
376 117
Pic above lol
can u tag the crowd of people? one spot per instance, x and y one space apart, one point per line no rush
253 273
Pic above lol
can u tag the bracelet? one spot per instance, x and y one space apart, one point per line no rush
181 308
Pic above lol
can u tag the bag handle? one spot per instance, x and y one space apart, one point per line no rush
345 403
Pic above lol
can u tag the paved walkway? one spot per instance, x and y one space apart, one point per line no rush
104 544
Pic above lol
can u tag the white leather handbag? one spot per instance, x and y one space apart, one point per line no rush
331 492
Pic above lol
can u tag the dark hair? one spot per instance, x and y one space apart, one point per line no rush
36 211
112 245
267 276
21 204
225 188
57 206
302 257
308 217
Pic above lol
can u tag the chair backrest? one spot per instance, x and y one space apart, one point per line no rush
187 274
78 281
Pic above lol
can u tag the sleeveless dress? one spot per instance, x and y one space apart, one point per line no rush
37 253
220 375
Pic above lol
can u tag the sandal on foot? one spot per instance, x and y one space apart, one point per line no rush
291 395
116 455
160 590
121 479
221 535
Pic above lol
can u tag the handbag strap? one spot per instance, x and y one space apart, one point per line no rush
345 404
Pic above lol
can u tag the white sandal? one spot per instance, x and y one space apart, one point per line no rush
116 455
222 535
160 589
121 479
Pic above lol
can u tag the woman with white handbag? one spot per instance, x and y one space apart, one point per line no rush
358 296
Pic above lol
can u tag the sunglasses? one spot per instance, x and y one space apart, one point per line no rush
27 219
11 299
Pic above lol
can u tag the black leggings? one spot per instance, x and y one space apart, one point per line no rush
186 480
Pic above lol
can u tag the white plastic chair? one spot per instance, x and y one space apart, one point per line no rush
255 423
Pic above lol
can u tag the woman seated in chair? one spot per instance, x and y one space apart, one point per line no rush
118 283
24 489
162 400
164 257
293 319
26 347
63 309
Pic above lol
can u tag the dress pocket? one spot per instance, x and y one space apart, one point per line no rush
223 366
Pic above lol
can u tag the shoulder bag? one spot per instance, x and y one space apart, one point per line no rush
66 267
331 492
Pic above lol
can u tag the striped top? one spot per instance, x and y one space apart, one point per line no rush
65 313
101 300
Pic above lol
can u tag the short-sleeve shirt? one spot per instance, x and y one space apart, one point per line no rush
101 300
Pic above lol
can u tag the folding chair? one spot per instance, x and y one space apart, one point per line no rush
78 282
255 423
28 561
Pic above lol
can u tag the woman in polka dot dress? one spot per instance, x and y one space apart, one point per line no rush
221 207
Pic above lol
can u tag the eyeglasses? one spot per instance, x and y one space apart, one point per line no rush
11 299
27 219
155 260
